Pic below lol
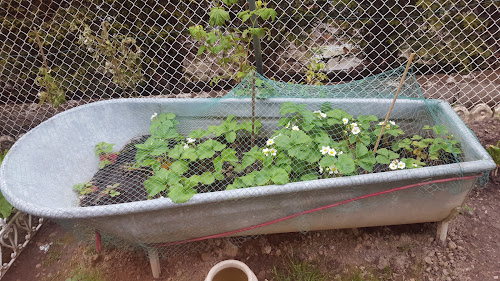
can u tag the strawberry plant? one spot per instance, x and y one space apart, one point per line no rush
307 145
105 153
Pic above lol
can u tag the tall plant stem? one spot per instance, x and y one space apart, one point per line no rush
394 101
253 110
41 49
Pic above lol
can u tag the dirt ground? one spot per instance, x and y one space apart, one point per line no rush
405 252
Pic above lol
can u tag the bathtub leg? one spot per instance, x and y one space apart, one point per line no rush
154 260
442 227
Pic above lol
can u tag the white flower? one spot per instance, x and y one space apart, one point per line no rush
380 123
265 151
321 114
354 125
333 170
270 142
332 152
392 122
345 120
186 146
295 128
287 125
401 165
393 165
324 150
340 153
190 140
355 130
272 151
154 116
414 165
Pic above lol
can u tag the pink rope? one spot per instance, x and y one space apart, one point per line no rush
312 211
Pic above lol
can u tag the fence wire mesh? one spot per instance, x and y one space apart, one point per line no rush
98 49
60 54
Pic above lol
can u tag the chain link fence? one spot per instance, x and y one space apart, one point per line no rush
101 49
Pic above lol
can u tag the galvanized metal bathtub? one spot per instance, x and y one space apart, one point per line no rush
40 169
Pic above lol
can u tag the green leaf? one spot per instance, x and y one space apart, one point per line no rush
346 164
282 141
288 107
279 176
207 178
229 155
208 148
218 16
230 2
328 161
309 177
257 31
5 207
159 147
176 152
244 16
266 13
361 150
218 164
179 193
367 161
156 183
300 137
180 167
382 159
262 177
190 153
201 50
231 137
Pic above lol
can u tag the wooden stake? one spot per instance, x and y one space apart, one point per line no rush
394 101
41 49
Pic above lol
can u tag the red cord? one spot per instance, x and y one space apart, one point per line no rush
311 211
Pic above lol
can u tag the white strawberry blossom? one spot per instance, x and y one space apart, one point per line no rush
295 128
355 130
401 165
393 165
272 151
154 116
332 170
265 151
414 165
270 141
332 152
324 150
287 125
321 114
186 146
345 121
190 140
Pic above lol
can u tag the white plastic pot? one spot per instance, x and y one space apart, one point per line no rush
231 270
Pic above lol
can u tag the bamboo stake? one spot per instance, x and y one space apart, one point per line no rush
394 101
41 49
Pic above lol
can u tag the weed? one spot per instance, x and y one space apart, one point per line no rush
299 271
85 274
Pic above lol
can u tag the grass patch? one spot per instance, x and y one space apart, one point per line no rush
85 274
299 271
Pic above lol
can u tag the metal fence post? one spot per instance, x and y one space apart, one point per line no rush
256 44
